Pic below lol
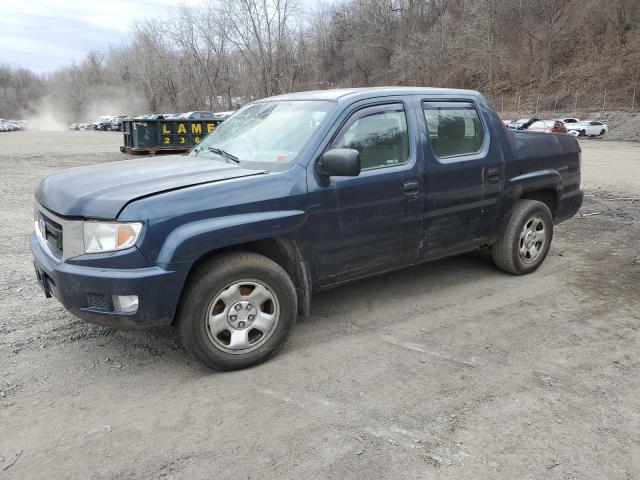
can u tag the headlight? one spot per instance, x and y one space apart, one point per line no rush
110 236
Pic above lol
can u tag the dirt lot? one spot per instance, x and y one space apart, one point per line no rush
450 370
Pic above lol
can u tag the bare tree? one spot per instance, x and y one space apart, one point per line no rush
228 52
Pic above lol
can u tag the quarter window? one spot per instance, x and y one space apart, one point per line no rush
380 137
454 128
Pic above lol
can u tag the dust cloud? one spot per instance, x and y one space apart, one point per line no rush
52 115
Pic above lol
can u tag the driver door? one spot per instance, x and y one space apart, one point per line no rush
371 222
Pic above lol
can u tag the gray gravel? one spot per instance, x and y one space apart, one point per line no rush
450 370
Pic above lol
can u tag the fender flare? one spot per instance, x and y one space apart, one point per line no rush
538 180
190 241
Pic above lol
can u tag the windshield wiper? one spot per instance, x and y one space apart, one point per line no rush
224 154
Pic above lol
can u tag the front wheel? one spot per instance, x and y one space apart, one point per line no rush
602 132
237 311
525 238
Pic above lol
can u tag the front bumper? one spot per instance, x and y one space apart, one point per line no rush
78 287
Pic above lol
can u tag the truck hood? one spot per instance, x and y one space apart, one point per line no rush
102 190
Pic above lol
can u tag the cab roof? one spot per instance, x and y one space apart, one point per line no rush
337 94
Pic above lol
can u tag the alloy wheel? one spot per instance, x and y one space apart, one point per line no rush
242 316
533 239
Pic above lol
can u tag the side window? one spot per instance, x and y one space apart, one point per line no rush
380 137
454 128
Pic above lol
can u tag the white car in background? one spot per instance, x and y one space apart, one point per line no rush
588 128
569 120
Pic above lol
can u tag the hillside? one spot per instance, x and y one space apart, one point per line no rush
523 55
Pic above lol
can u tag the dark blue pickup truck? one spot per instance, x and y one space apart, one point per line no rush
291 195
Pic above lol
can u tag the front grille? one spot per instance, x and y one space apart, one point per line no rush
53 235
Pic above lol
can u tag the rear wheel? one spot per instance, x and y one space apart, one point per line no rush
525 238
602 132
237 311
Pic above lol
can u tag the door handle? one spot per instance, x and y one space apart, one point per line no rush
410 187
493 175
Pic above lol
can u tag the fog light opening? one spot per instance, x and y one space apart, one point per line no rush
125 303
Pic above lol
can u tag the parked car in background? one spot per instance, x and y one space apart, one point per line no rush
116 123
507 123
199 116
589 128
103 122
569 120
548 126
12 125
159 116
523 123
81 126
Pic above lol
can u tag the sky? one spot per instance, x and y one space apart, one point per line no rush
43 35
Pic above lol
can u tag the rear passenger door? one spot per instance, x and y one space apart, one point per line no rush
463 177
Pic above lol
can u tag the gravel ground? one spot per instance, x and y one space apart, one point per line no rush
451 370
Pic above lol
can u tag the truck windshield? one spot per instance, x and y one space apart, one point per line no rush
270 133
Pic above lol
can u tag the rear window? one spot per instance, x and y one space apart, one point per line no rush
454 128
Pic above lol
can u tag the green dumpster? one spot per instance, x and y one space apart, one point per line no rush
164 136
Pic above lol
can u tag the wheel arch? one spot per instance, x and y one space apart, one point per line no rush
283 251
548 196
542 186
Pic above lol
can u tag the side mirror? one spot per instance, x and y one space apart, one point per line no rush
339 162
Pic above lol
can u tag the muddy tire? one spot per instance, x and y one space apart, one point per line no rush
237 311
524 239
